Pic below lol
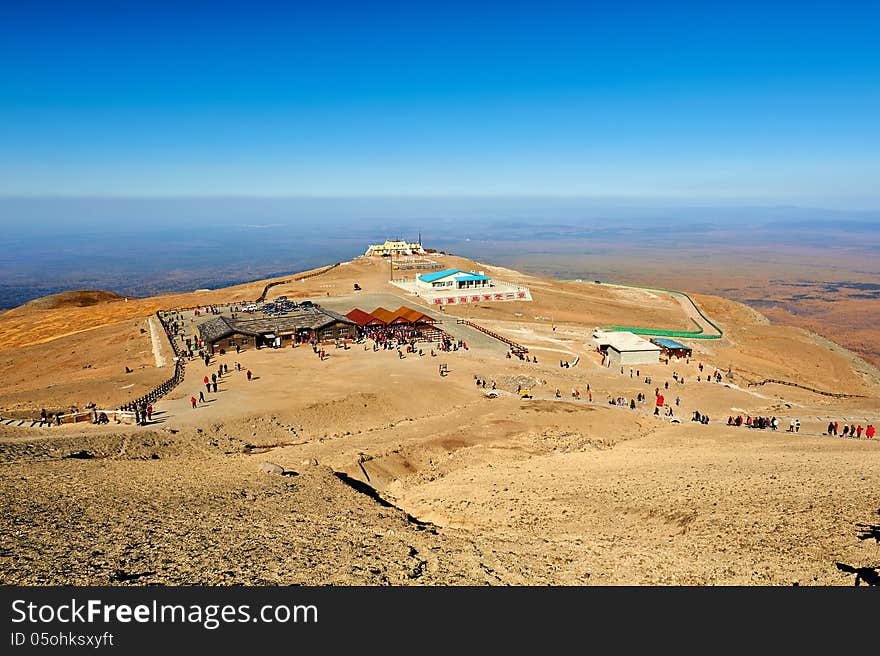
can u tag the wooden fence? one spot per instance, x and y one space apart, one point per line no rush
515 348
804 387
163 388
306 276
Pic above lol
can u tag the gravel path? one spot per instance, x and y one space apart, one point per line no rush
156 335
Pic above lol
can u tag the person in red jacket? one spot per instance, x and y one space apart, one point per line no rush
192 400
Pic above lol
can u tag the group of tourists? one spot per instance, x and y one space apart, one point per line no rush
852 430
794 426
143 414
448 344
762 423
211 383
390 337
523 356
700 418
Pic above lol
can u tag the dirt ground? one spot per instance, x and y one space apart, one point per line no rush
397 475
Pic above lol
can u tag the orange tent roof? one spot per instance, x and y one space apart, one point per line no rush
362 318
413 316
383 315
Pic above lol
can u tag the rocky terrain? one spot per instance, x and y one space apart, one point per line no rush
367 468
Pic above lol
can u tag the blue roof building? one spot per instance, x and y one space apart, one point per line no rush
454 279
671 347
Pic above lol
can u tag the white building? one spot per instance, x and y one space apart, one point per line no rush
394 248
454 280
623 348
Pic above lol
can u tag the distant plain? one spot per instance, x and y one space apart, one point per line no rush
817 269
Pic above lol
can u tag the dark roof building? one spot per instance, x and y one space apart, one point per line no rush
216 329
673 348
310 322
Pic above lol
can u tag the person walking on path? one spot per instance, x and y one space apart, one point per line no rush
797 425
249 374
201 397
192 400
207 382
150 412
215 388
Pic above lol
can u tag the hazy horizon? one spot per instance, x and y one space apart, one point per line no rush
142 247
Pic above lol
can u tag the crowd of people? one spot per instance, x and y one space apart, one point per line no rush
390 337
404 339
851 430
761 422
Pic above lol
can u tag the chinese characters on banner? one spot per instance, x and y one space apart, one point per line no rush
480 298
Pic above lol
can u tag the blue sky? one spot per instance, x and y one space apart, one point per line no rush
735 101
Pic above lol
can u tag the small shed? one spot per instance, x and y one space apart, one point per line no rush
671 348
625 348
